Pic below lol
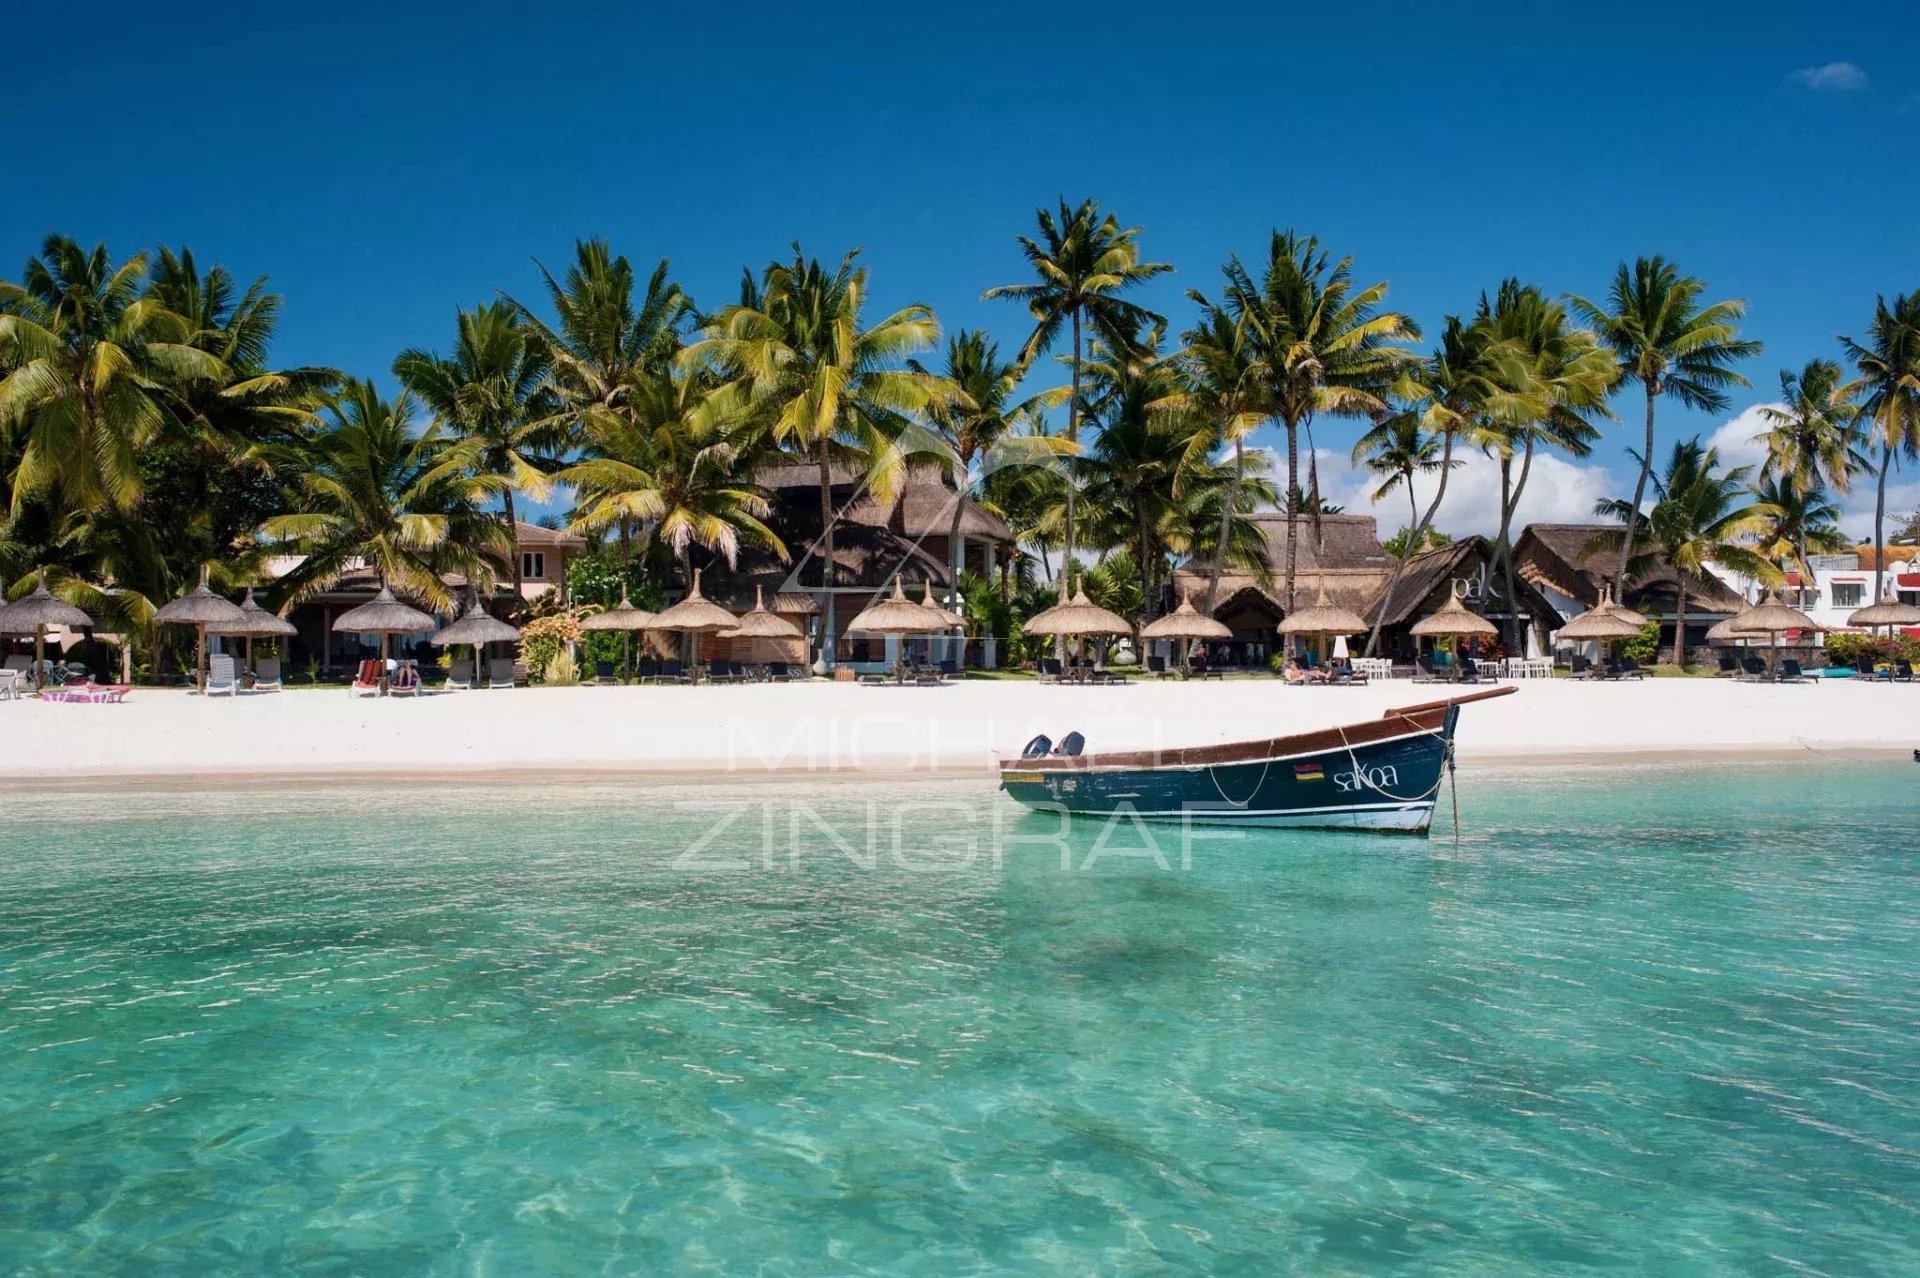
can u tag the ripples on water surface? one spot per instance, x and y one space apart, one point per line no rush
1641 1018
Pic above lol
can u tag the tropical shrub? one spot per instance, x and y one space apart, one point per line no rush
1643 648
545 638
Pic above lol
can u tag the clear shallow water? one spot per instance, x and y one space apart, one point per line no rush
1640 1019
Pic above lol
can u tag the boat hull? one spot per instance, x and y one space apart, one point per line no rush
1381 775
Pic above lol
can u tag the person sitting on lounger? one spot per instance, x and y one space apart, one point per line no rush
1298 673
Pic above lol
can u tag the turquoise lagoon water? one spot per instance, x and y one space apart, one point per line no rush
1639 1019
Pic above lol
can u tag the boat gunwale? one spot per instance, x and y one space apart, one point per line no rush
1425 719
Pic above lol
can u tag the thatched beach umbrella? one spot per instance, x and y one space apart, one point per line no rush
694 615
1455 620
384 615
1323 618
1078 616
32 615
1772 618
478 627
896 615
255 623
623 618
1605 620
758 623
1186 623
201 609
1889 612
949 619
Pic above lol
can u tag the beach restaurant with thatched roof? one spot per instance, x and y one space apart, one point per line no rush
1555 558
875 541
1346 560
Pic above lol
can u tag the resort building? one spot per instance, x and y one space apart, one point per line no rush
1842 583
1556 560
1344 558
908 536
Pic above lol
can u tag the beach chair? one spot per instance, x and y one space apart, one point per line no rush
1157 667
366 680
603 673
738 672
1752 668
221 678
1050 671
646 670
1729 669
1342 673
1903 672
719 671
779 672
459 676
88 693
949 669
405 681
9 685
266 675
672 671
1790 672
501 672
1468 671
1199 669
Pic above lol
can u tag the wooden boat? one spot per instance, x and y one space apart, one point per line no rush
1379 774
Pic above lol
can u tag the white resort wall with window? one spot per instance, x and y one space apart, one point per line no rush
1841 584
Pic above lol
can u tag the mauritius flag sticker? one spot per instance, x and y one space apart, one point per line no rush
1309 772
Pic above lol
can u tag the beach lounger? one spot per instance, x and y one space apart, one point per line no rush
501 672
1199 669
719 671
405 681
9 685
949 670
221 677
1050 670
1903 672
266 675
1753 668
779 671
88 693
366 680
672 671
646 670
1729 669
1625 668
1790 672
459 676
603 672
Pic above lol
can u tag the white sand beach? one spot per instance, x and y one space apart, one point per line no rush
828 727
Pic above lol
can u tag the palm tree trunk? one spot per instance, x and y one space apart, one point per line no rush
828 639
1146 584
513 539
955 560
1506 542
1073 437
1293 506
1880 526
1679 622
1639 495
1226 521
1408 549
1416 538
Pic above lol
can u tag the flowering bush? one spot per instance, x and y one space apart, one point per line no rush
545 638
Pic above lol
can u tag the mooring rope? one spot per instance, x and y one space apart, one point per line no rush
1251 794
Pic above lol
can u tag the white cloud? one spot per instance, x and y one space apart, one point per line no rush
1734 438
1831 77
1558 491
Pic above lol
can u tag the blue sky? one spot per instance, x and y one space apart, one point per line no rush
385 167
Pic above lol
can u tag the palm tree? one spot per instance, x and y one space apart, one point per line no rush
1812 437
1552 378
977 416
1134 472
1395 450
1222 386
493 392
1888 392
1701 515
830 389
1084 261
667 463
1663 336
368 489
92 374
1318 345
1797 523
1451 389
